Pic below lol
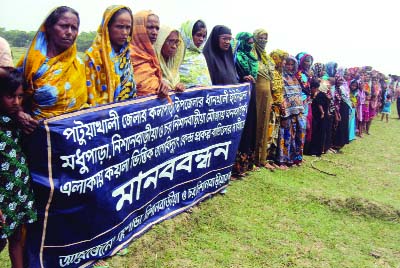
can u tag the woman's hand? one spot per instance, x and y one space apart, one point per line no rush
180 87
163 90
249 78
28 124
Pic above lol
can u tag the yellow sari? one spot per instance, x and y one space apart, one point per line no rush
55 85
109 73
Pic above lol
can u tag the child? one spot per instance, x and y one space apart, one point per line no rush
16 196
386 110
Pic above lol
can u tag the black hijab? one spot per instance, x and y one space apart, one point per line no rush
220 63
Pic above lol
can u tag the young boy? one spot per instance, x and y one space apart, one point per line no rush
16 196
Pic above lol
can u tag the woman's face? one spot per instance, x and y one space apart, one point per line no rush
224 41
170 45
289 65
62 35
119 30
199 37
152 27
353 86
307 63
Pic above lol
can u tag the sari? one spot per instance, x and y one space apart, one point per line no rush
146 66
278 56
292 129
55 85
193 70
170 68
109 73
263 85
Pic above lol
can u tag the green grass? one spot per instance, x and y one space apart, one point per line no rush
295 218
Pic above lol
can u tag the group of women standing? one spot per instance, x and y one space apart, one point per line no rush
294 106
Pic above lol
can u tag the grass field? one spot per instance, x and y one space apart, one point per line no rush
296 218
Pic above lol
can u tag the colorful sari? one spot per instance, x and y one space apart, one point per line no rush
55 85
193 70
170 68
109 73
146 66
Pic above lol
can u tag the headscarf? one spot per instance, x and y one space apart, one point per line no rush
331 68
170 69
318 69
109 73
220 63
278 56
193 70
146 66
56 85
295 68
259 47
303 75
245 61
5 54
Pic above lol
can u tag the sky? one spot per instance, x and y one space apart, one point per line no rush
349 32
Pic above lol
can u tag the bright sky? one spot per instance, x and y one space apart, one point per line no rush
350 32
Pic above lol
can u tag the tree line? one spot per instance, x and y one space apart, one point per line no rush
17 38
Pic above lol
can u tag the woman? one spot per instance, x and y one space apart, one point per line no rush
343 106
146 66
304 76
170 51
109 71
54 73
193 70
219 56
292 129
263 97
278 109
5 54
247 68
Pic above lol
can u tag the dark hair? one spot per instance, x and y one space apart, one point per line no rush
10 80
116 14
198 26
314 83
53 18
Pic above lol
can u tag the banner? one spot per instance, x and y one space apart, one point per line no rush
104 175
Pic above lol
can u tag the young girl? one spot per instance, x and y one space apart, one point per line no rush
16 196
386 110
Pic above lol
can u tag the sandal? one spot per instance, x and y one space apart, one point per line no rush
101 264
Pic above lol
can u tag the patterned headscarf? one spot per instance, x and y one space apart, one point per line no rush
278 56
259 47
109 73
301 57
193 70
318 69
303 75
295 68
146 66
170 68
56 85
246 62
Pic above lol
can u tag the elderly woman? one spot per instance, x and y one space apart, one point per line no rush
170 51
263 96
247 68
5 54
278 108
219 56
109 71
146 66
54 73
193 70
292 130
